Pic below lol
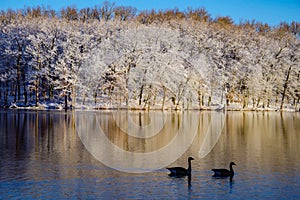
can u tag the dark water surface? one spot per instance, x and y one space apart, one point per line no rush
43 155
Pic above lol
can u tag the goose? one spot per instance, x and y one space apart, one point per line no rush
224 172
180 171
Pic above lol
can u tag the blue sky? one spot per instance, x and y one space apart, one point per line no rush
267 11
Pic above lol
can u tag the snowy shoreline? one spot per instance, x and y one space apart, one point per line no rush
234 107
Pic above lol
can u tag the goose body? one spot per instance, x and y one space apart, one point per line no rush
224 172
180 171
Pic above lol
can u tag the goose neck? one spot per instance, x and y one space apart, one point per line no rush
189 166
231 168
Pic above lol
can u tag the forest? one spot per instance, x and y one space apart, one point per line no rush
109 57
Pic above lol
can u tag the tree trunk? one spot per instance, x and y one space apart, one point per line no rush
258 101
164 98
141 94
19 76
25 93
66 102
6 94
19 57
285 85
16 91
127 85
95 97
296 103
147 100
37 91
245 102
154 99
50 92
199 98
84 97
24 87
73 96
209 101
222 96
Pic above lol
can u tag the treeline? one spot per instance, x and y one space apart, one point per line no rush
110 11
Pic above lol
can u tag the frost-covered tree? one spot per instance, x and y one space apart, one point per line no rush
75 43
44 51
14 58
146 61
113 56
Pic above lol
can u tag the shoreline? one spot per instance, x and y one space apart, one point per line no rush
218 108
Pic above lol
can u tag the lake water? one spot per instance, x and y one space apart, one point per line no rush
123 155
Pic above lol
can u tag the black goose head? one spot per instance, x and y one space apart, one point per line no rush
190 158
232 163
